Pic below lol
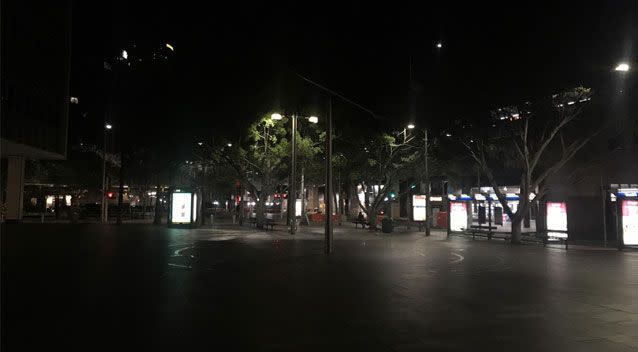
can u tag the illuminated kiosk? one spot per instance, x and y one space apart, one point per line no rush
627 202
554 222
460 213
183 207
419 206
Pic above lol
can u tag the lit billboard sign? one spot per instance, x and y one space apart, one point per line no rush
298 207
556 215
195 202
458 216
181 208
630 222
419 202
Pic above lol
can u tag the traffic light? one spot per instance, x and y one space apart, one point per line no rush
110 195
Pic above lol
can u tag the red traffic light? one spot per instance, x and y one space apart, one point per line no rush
110 195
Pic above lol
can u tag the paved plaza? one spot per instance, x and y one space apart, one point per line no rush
143 287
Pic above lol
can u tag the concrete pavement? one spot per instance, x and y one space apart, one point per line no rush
138 286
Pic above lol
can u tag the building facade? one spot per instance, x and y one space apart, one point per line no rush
35 75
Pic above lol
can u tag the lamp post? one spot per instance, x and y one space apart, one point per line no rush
428 206
104 206
292 197
328 194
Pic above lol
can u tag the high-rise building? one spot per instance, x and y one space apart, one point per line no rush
35 74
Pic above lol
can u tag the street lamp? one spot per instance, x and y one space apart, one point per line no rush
229 144
292 217
622 67
428 207
104 207
439 45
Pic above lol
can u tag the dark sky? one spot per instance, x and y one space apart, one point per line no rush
235 61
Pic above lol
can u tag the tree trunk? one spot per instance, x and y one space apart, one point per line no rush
372 219
158 206
516 229
353 201
527 219
260 209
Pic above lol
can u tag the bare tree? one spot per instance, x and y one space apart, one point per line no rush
384 162
536 155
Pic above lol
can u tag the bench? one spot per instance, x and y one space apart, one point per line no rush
483 227
269 223
407 223
363 223
485 231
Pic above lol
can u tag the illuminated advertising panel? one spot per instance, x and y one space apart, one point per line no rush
458 216
195 203
298 207
630 222
419 202
181 208
556 215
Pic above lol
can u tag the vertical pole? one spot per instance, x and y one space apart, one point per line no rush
338 202
489 217
120 193
15 189
328 196
104 207
428 206
293 179
302 193
449 214
620 236
603 196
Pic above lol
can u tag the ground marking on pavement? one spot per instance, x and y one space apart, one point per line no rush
179 266
460 258
179 251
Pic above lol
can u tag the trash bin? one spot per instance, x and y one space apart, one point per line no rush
75 215
386 225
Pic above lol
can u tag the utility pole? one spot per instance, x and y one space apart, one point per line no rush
104 206
328 195
428 206
603 196
328 228
292 198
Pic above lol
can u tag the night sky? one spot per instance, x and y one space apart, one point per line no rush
234 62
